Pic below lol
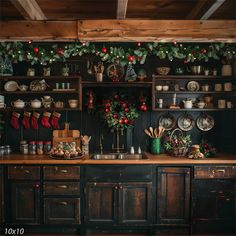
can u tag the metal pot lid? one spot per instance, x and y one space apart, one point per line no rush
186 122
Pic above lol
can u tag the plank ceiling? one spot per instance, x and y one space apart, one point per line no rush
107 9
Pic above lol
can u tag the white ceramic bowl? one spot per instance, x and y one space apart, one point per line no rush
73 103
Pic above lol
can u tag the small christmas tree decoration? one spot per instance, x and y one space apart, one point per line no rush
15 120
26 120
45 120
34 120
55 120
130 73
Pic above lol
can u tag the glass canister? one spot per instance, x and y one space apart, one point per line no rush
47 147
40 147
155 145
2 150
7 150
32 147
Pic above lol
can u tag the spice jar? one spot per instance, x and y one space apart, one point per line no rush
7 149
32 148
40 147
47 147
2 150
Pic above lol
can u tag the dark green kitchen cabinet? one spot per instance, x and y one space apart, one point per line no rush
1 196
173 196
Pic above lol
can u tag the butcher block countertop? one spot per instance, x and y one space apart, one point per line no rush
162 159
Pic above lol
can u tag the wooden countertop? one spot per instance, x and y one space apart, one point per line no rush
162 159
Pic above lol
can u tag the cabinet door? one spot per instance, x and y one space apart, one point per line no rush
173 195
25 203
101 202
214 206
135 203
62 211
1 195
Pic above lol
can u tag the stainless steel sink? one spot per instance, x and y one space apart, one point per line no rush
119 157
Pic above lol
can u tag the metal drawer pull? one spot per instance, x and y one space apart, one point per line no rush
63 171
219 170
63 203
62 186
27 171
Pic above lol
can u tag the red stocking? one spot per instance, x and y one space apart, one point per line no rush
45 120
55 119
34 120
26 120
15 120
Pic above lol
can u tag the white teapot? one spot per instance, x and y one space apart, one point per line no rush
18 104
35 103
188 103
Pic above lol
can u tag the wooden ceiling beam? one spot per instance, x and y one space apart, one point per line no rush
212 9
29 9
197 10
121 9
120 30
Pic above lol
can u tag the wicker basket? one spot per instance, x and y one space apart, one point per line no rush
181 150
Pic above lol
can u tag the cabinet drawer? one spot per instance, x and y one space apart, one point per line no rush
24 172
119 172
215 172
61 172
62 211
61 188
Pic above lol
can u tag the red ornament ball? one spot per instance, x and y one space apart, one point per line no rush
144 108
126 121
138 44
115 116
108 104
130 58
104 50
107 110
120 121
124 105
204 50
36 50
126 109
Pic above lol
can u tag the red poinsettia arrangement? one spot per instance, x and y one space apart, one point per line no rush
119 112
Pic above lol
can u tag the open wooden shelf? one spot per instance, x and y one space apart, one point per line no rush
192 77
10 109
25 77
117 84
194 109
195 92
39 92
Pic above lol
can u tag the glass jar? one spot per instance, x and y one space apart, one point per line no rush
32 147
40 147
2 150
24 149
7 150
47 147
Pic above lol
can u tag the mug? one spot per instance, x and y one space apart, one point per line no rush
221 103
228 87
160 102
218 87
2 105
206 72
159 87
99 77
205 88
165 87
229 104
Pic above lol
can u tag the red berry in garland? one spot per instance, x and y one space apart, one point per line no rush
115 116
126 121
130 58
60 51
36 50
104 50
204 50
107 110
126 109
124 105
138 44
120 121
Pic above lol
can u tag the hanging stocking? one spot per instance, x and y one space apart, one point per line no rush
45 120
15 120
26 120
34 120
55 119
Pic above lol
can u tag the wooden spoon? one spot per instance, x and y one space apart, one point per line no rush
156 133
148 133
151 131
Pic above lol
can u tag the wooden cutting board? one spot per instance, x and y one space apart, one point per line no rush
66 135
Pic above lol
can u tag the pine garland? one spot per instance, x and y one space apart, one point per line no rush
49 53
